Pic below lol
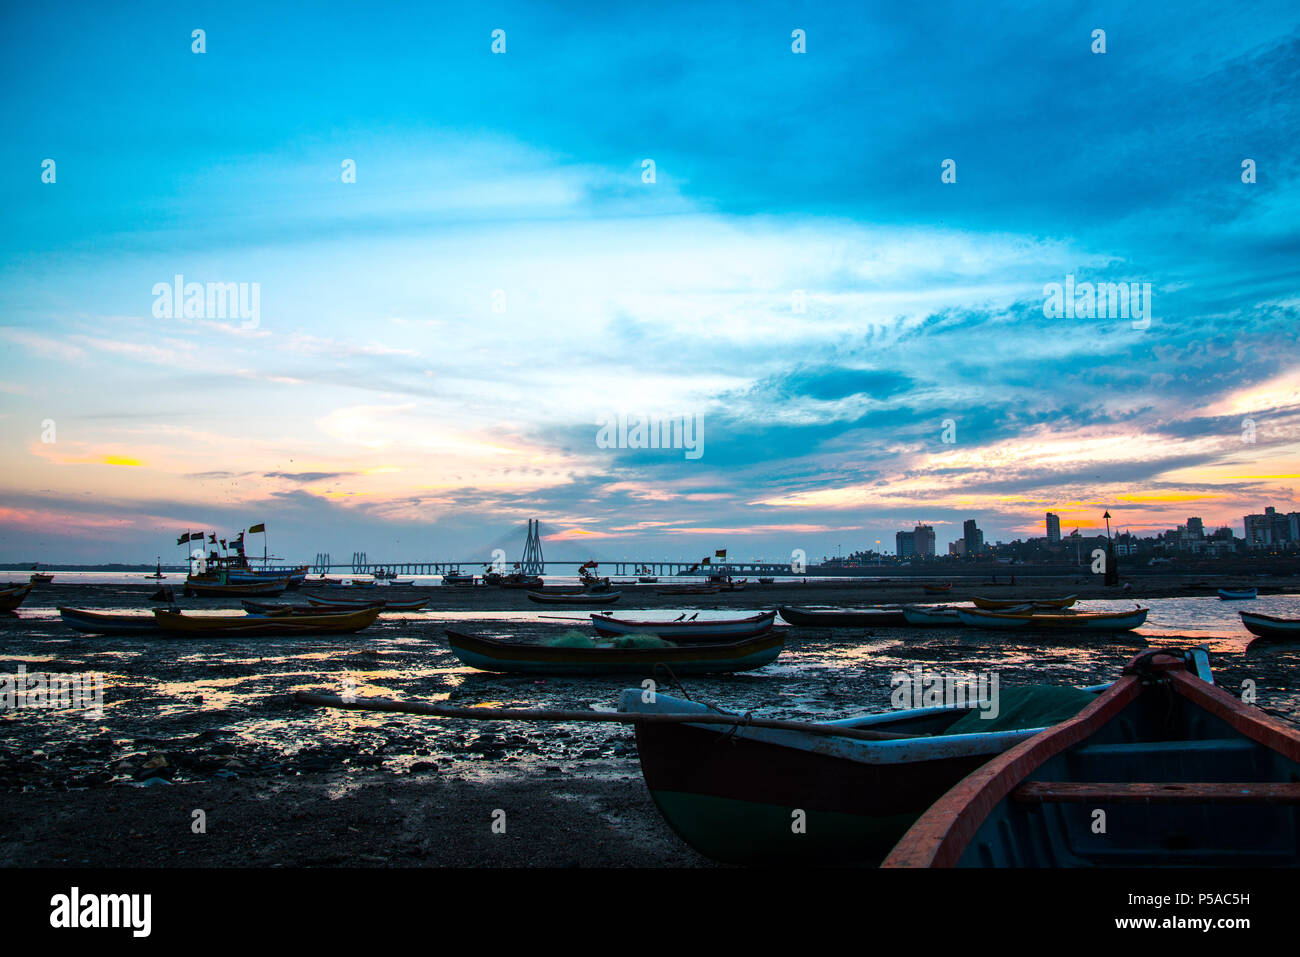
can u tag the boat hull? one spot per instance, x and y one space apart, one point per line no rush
732 793
996 604
11 598
175 623
1237 594
251 589
869 618
733 629
100 623
1187 776
1120 621
487 654
576 598
1267 626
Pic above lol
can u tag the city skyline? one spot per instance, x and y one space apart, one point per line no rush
603 224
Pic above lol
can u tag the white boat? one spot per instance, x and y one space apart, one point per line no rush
926 616
692 630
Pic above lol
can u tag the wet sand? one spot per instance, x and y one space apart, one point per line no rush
212 725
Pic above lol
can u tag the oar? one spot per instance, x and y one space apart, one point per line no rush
566 717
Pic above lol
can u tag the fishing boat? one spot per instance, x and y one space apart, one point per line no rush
835 618
353 583
415 604
937 589
766 581
930 617
1185 773
219 588
688 590
457 578
684 630
995 604
400 582
1238 594
493 654
235 626
1038 621
102 623
732 793
40 578
574 598
647 579
1267 626
521 581
12 595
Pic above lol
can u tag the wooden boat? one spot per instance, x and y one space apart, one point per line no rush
456 578
354 583
941 616
231 626
832 618
11 595
521 581
937 589
766 581
492 654
685 630
688 590
730 792
994 604
1238 594
102 623
40 578
1266 626
415 604
227 589
400 582
1037 621
574 598
647 579
1187 775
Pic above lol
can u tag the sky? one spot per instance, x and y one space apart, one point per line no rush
858 345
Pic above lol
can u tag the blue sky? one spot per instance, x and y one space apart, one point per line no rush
382 402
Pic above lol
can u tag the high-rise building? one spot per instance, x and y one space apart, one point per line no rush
923 541
957 548
1195 528
905 544
1270 530
1053 528
973 538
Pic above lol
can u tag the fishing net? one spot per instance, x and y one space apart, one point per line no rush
1033 706
640 641
571 639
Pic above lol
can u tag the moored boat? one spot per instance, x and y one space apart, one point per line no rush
1185 774
937 589
1046 621
574 598
40 578
690 631
12 595
223 588
733 793
229 626
925 616
1238 594
493 654
321 601
1267 626
104 623
840 618
995 604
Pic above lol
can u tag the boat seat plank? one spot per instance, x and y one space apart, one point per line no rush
1162 747
1229 792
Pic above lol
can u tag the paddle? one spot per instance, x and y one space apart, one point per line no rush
565 717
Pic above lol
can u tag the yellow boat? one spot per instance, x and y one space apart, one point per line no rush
220 626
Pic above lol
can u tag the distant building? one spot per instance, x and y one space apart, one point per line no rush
1053 529
1195 528
905 544
1272 530
957 548
923 541
973 538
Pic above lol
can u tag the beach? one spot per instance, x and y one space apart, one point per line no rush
212 725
